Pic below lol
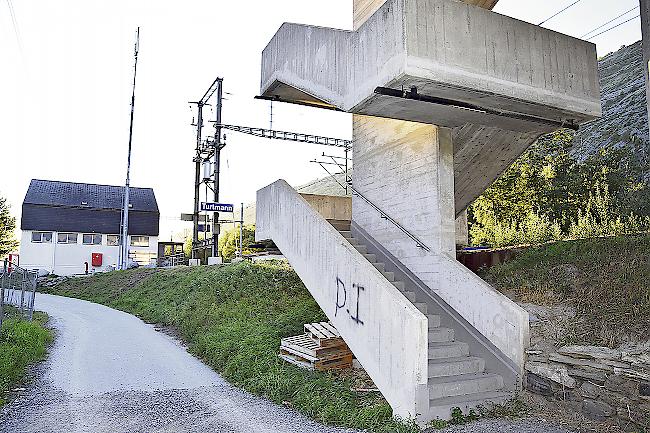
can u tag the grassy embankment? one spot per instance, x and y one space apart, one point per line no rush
21 344
233 318
605 280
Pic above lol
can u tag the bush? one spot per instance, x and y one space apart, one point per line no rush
550 194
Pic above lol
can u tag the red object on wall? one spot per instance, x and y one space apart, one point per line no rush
14 259
97 259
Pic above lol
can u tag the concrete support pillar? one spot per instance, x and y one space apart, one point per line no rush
645 32
462 230
405 169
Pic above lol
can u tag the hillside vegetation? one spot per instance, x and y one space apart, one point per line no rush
568 185
605 280
233 318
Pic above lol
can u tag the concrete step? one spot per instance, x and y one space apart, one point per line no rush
441 335
441 407
390 276
448 349
370 257
379 266
434 321
340 224
401 287
361 248
441 387
355 242
409 295
456 366
422 306
346 234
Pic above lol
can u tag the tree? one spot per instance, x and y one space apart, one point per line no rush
8 240
550 193
229 242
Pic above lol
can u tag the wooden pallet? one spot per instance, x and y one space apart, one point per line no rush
330 364
324 334
319 348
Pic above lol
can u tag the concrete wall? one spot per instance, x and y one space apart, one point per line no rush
468 47
384 330
69 259
363 9
462 230
406 169
447 49
330 207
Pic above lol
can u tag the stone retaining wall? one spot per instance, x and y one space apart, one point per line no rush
603 383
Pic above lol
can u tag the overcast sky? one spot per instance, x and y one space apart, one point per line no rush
65 87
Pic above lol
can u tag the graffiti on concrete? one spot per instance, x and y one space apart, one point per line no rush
342 300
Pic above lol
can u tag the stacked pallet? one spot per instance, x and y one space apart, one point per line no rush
319 348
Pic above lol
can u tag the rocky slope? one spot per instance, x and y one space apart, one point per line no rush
625 121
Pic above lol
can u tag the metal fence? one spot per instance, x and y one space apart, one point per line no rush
17 290
173 260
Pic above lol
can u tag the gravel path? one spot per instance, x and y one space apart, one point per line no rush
110 372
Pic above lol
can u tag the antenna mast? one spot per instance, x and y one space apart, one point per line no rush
124 238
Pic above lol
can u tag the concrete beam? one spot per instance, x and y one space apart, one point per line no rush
446 49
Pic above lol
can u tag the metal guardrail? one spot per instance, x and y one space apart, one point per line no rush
173 260
17 289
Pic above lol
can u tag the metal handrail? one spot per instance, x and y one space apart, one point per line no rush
383 214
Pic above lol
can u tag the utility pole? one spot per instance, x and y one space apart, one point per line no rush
124 247
241 233
217 168
645 32
197 178
206 152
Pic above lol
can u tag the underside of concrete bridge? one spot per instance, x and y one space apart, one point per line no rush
445 95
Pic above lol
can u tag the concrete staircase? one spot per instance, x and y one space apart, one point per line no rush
455 378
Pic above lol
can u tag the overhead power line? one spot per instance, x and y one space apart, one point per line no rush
613 27
559 12
608 22
15 24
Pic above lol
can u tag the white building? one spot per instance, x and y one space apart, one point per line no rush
70 228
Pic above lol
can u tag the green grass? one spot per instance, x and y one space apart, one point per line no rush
21 343
233 318
604 279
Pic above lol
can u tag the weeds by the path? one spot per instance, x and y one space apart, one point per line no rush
21 343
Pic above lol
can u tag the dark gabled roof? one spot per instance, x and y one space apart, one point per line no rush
87 208
88 196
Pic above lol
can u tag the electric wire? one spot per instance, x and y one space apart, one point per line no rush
15 24
559 12
608 22
613 27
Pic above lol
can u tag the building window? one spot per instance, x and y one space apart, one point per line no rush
139 241
113 240
92 239
66 238
41 237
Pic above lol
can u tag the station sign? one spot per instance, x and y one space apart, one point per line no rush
217 207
